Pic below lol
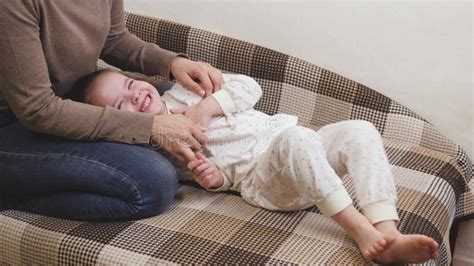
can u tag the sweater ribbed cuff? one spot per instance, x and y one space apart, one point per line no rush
127 127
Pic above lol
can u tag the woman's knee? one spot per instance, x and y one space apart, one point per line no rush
156 182
147 180
164 185
33 164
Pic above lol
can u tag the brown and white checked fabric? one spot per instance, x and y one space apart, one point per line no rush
433 177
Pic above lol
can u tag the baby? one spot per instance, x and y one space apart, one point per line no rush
277 165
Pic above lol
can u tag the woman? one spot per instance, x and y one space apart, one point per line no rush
46 46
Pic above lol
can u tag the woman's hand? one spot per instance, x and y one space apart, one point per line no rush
197 114
178 135
202 78
201 113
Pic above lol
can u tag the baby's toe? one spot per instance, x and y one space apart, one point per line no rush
373 252
382 242
379 248
367 255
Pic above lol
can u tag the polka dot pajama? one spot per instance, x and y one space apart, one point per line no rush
302 167
280 166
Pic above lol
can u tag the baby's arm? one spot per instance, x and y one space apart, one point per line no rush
207 174
237 94
202 112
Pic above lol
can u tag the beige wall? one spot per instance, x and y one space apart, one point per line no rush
416 52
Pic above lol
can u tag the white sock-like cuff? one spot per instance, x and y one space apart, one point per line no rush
224 99
381 211
334 202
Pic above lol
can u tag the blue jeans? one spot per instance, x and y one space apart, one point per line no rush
81 180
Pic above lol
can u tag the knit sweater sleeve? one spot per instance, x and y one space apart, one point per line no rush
128 52
26 87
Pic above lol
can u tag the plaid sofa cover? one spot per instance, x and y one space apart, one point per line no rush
433 177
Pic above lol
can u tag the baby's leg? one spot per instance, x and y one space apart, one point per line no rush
294 173
356 148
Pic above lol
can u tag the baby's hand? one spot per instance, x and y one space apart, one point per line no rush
205 172
197 113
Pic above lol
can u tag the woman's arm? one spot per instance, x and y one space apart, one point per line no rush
25 85
130 53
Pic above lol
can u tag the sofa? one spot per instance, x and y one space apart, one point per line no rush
433 176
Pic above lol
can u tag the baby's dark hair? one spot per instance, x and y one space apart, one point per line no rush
81 87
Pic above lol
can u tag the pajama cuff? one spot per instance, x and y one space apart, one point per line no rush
381 211
224 99
334 202
225 186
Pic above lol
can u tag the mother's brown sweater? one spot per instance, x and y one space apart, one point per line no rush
46 45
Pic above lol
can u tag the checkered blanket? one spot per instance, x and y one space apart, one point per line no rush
433 177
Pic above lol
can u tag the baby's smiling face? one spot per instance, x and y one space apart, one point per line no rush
121 92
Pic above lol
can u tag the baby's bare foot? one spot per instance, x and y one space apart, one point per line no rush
371 242
409 249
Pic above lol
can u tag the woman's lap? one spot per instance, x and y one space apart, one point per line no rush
82 180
